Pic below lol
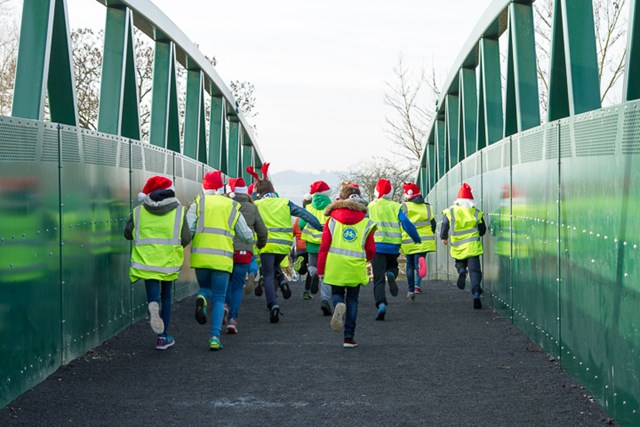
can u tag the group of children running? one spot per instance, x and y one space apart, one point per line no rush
231 227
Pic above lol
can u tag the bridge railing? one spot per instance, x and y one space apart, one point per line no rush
562 252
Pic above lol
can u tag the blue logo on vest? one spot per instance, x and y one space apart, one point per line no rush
349 234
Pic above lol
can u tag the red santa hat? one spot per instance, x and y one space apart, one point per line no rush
155 183
318 187
250 189
237 186
383 187
213 181
465 192
410 190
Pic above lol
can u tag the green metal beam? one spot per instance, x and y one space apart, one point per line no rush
573 52
193 106
632 70
60 83
431 159
234 147
202 138
451 120
247 158
510 105
130 100
216 132
441 148
161 93
33 59
468 111
490 94
522 41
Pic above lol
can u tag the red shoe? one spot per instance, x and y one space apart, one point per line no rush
417 290
422 267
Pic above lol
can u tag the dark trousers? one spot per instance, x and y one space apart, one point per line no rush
475 272
381 264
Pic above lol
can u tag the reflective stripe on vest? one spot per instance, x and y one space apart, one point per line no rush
385 214
346 263
212 245
310 234
277 218
159 257
420 215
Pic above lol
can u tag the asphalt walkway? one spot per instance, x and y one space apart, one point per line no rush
435 361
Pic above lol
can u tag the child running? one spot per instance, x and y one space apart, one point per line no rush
347 245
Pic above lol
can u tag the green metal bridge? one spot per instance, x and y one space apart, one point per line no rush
561 255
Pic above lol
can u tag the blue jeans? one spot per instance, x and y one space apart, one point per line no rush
337 295
325 290
271 265
234 290
253 267
475 273
213 286
160 292
414 279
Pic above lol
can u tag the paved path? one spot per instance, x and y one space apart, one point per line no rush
433 362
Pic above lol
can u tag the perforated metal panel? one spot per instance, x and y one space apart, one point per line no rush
49 144
596 137
18 142
154 160
530 147
494 158
99 151
69 145
136 157
631 132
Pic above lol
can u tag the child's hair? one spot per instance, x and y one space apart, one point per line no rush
263 187
349 190
305 202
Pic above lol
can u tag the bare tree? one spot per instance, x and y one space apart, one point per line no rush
409 98
244 93
87 63
367 174
8 55
610 30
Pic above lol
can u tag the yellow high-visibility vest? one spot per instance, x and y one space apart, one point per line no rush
310 234
157 252
212 245
420 215
385 214
464 237
347 260
277 218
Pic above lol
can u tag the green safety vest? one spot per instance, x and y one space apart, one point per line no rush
212 245
277 218
157 252
420 215
310 234
464 237
346 263
385 214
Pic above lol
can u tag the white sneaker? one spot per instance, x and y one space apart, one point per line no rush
157 325
337 320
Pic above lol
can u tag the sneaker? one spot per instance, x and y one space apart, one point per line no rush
477 303
250 284
274 314
337 321
417 290
232 327
298 263
393 286
326 308
157 325
422 267
225 316
201 309
258 289
382 310
411 296
306 296
165 342
462 278
315 281
215 344
349 343
286 290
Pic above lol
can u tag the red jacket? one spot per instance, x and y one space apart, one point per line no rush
347 212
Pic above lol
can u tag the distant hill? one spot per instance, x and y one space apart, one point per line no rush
293 185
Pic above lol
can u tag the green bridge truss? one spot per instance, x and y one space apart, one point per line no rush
562 254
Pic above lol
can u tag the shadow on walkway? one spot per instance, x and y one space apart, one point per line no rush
432 362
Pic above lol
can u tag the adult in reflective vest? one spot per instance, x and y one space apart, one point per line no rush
320 192
276 214
243 252
158 229
464 223
347 245
390 221
419 213
215 220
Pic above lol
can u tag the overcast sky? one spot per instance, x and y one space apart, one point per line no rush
319 68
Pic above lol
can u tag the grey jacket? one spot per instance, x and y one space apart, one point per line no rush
253 219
